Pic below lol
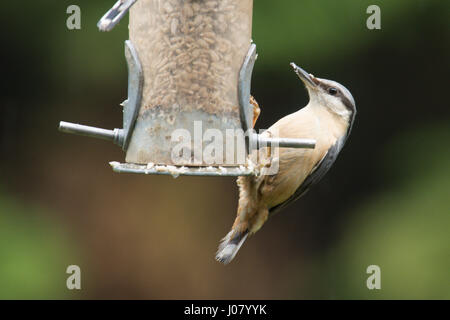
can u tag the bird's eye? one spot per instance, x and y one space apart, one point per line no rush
332 91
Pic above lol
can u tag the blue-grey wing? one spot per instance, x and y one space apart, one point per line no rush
315 176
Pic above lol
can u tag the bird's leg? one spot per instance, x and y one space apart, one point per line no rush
256 110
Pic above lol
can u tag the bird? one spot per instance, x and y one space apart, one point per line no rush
327 118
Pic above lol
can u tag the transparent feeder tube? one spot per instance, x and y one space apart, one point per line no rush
191 53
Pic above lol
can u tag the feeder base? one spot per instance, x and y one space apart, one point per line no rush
176 171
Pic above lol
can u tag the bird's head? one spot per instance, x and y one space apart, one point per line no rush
328 93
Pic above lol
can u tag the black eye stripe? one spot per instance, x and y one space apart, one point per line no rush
347 103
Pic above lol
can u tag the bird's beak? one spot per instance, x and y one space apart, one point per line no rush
307 78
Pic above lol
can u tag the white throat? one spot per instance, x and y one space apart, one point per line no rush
332 104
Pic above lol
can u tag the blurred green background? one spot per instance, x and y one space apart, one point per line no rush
385 202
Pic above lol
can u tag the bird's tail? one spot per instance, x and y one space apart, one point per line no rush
230 245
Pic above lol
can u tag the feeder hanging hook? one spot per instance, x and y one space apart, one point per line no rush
115 14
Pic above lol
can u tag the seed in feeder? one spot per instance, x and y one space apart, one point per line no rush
171 64
174 26
201 64
211 4
167 7
195 6
161 63
197 20
209 40
208 34
187 10
194 62
166 100
203 43
196 53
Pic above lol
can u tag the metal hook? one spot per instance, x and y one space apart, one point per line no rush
245 79
115 14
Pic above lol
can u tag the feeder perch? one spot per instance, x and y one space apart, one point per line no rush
189 63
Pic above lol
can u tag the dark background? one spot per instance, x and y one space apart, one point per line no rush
385 201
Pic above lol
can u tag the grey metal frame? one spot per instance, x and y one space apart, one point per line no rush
175 171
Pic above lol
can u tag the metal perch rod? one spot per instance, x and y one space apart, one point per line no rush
110 135
286 142
116 136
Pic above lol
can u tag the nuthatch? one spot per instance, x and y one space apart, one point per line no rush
328 118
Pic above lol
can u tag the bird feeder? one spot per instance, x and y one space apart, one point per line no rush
189 67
